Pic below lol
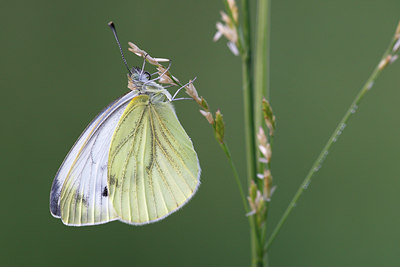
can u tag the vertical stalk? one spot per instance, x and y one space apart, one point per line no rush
261 86
249 121
261 60
248 93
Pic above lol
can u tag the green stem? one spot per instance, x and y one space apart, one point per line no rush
235 173
261 61
261 87
249 121
245 49
246 25
339 129
245 44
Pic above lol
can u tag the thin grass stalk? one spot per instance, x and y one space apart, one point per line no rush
245 49
261 61
261 88
227 152
388 57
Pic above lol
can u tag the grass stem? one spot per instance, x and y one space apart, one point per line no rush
236 175
386 60
261 60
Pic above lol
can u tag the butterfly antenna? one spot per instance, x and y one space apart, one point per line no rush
112 27
144 63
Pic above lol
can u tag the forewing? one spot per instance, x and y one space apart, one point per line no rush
79 194
153 168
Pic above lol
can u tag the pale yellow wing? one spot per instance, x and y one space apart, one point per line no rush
153 169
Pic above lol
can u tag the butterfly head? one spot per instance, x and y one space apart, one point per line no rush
139 75
140 81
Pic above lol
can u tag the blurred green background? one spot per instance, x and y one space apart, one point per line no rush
60 66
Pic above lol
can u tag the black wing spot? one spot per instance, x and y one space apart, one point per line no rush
105 192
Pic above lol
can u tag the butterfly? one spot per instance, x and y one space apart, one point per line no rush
134 162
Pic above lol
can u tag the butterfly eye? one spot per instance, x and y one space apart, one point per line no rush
148 75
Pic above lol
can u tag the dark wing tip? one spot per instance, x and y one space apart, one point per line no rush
54 197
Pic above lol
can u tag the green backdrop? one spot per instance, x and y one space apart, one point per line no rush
60 65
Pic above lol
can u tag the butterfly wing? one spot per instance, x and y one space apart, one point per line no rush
79 194
153 167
